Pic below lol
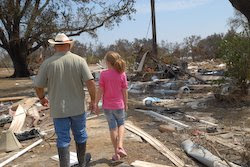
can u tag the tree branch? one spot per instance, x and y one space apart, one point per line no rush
91 29
26 5
36 12
4 21
39 44
3 38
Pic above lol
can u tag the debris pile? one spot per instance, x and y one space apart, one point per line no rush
175 98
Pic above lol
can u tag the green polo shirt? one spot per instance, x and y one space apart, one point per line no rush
64 75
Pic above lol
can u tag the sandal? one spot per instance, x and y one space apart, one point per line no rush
121 152
116 157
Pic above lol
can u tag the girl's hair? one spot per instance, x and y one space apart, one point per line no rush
116 61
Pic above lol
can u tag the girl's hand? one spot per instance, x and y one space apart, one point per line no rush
126 107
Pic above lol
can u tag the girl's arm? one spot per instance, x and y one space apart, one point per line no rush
98 98
125 98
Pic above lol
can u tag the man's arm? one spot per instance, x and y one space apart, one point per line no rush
41 95
125 98
92 92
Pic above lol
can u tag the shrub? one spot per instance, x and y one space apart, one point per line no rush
235 50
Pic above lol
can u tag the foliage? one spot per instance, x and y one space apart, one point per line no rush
235 50
26 25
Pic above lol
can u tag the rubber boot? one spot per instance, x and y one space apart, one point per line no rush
64 157
83 159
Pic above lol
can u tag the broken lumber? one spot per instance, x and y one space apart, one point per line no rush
162 118
18 120
29 103
141 64
4 99
138 163
191 75
239 149
21 152
156 144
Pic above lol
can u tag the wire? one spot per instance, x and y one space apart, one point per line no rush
148 26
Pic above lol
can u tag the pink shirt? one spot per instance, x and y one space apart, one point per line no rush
112 84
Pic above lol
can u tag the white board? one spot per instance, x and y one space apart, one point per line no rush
73 158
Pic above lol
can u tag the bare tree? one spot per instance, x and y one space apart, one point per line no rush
191 43
26 25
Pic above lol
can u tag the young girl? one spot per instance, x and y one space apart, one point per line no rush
113 91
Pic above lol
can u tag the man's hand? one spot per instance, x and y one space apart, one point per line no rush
44 101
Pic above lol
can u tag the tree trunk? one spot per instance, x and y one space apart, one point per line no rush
243 6
21 67
18 56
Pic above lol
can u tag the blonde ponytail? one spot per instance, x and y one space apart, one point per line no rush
120 65
116 61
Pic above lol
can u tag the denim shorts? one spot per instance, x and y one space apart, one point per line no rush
63 126
115 118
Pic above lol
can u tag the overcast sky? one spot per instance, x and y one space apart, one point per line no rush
175 20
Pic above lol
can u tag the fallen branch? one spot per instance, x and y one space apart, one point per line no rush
239 149
219 155
203 155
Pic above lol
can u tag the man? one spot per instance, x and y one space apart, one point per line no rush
64 74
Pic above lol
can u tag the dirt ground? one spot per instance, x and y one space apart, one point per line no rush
228 116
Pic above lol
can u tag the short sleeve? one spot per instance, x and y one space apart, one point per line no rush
124 81
86 74
101 81
41 80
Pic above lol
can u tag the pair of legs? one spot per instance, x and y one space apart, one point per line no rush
62 129
116 119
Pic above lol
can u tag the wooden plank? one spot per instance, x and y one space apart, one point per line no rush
29 103
138 163
162 118
223 142
156 144
18 120
4 99
73 158
141 64
20 115
21 152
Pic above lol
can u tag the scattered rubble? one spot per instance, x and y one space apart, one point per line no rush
176 102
